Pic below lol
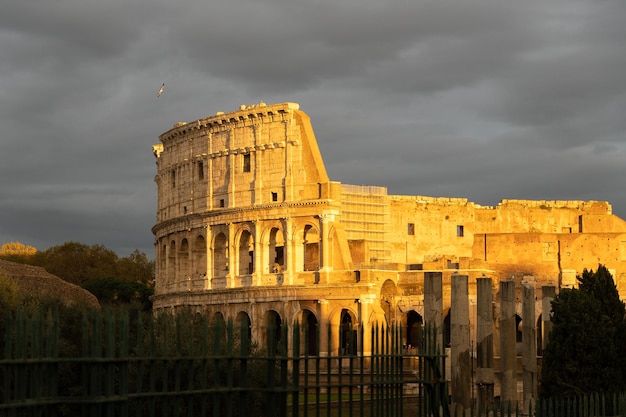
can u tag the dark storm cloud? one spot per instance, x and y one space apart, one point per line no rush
484 99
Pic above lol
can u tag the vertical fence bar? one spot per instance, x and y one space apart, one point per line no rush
168 371
295 357
361 336
328 369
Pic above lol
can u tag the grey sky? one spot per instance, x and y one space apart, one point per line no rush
483 99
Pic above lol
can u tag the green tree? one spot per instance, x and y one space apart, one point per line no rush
75 262
587 344
115 291
136 267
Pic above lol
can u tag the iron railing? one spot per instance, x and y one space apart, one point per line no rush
115 364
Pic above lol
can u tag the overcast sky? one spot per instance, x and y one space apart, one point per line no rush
482 99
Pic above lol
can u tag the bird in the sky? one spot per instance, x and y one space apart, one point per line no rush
161 90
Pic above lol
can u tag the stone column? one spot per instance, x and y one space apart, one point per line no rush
230 161
288 250
548 293
508 358
258 171
366 325
232 259
461 377
209 258
484 344
529 345
325 249
433 311
257 275
324 322
209 194
289 180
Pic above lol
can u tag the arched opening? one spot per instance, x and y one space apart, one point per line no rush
199 257
246 254
171 262
309 332
273 326
276 251
311 247
218 320
163 264
243 327
347 334
414 330
218 323
388 301
183 260
220 255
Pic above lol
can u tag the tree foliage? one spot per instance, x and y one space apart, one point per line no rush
112 279
587 345
17 248
136 267
115 291
18 252
76 263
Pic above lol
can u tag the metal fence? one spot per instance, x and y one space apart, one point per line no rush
118 365
123 365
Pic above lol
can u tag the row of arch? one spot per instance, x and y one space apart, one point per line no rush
344 338
239 251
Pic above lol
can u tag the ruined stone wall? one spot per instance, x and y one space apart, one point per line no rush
550 257
426 228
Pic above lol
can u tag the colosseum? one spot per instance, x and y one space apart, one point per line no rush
250 227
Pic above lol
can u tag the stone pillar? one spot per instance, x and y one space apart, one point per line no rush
257 275
289 178
325 249
209 258
289 250
548 293
230 158
324 255
232 258
258 171
324 322
461 388
433 310
484 344
508 358
529 345
366 325
209 194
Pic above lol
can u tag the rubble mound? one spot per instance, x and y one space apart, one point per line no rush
39 282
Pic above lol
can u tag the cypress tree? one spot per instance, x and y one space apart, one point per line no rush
588 341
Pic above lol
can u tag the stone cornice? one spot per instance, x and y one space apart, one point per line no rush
247 115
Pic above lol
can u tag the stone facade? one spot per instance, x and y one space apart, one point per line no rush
249 227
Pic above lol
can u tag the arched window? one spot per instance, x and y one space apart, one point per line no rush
311 247
414 330
347 334
246 254
273 326
309 330
220 256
